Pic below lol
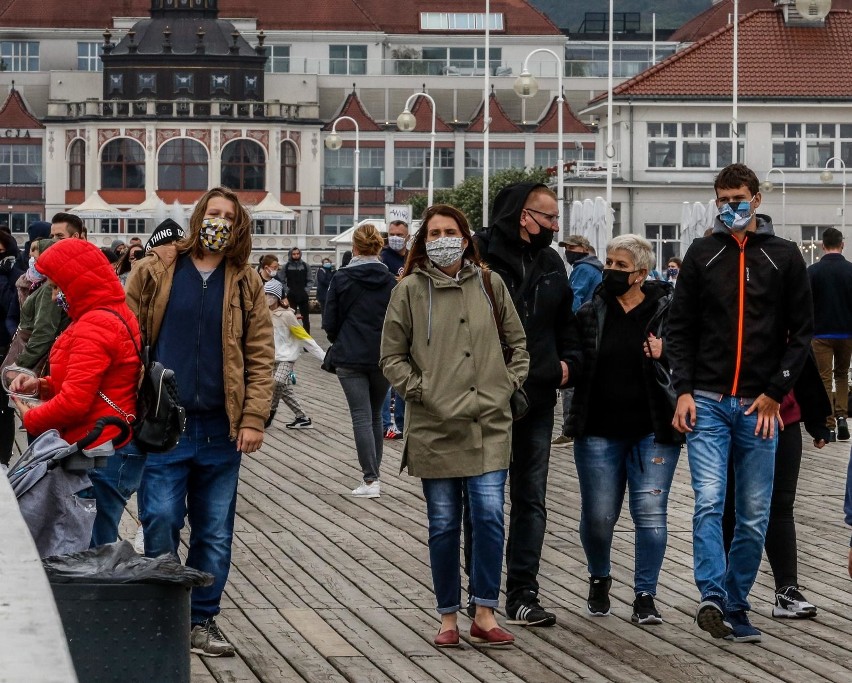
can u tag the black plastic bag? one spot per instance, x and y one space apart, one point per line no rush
120 563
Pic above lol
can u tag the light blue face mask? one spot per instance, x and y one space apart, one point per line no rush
736 218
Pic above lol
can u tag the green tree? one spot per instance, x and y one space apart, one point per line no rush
467 196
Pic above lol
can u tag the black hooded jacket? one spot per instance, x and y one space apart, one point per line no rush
38 230
295 276
742 318
538 283
354 313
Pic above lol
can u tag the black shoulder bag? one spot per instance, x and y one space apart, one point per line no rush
160 419
519 401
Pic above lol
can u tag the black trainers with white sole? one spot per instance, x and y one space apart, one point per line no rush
300 423
791 604
645 611
598 602
530 614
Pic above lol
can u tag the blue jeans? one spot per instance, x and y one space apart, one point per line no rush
604 467
365 391
528 516
398 411
722 430
199 478
485 494
113 485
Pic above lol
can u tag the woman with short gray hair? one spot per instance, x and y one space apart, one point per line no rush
636 449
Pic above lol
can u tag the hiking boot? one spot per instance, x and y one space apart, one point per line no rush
791 604
741 629
269 419
645 611
711 617
300 423
598 602
842 429
207 640
530 614
562 440
366 490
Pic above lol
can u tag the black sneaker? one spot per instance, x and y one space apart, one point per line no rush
471 610
269 420
300 423
791 604
598 602
530 614
645 611
832 436
842 429
711 617
741 629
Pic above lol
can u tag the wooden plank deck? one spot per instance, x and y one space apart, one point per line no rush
325 587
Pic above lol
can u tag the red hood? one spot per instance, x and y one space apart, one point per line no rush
83 273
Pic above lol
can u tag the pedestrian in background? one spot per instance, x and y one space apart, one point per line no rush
442 352
354 312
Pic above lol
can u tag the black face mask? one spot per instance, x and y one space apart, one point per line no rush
573 256
617 282
543 239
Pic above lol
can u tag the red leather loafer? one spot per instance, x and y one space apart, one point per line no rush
496 636
448 638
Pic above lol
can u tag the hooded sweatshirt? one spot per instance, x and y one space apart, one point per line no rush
742 317
38 230
354 312
538 284
97 353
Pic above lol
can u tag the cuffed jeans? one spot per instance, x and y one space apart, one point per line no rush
113 485
485 497
365 391
723 430
199 478
604 467
528 516
398 411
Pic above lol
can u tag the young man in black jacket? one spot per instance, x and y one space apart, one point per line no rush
517 247
831 285
738 334
296 277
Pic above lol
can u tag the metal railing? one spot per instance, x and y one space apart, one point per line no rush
180 109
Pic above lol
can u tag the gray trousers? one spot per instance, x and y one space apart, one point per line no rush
365 393
567 397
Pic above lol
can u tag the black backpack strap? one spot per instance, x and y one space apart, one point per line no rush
129 332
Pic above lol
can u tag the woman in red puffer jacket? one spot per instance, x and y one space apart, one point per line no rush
96 354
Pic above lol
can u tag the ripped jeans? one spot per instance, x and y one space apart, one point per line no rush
604 468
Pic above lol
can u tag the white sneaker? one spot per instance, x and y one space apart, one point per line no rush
366 490
139 541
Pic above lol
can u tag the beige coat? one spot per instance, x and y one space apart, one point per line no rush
247 343
441 352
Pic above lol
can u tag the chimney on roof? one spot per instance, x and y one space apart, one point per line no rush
804 13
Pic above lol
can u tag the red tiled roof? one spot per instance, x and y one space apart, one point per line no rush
717 16
549 122
422 110
500 121
776 62
389 16
14 113
352 107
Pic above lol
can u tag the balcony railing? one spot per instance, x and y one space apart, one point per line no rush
180 109
344 195
30 193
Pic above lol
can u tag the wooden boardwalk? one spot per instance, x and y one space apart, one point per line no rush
325 587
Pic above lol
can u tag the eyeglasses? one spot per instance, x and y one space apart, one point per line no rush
549 217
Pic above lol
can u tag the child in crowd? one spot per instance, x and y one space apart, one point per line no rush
290 338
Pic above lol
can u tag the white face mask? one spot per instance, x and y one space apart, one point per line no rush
396 243
445 251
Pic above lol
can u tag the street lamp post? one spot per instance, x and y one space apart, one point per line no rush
767 186
407 122
334 143
827 176
526 86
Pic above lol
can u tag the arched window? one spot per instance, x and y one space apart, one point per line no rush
77 166
289 165
182 165
123 165
243 165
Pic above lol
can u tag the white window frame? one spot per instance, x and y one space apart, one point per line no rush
371 159
20 55
21 157
659 242
278 59
675 140
460 21
816 143
349 60
89 56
